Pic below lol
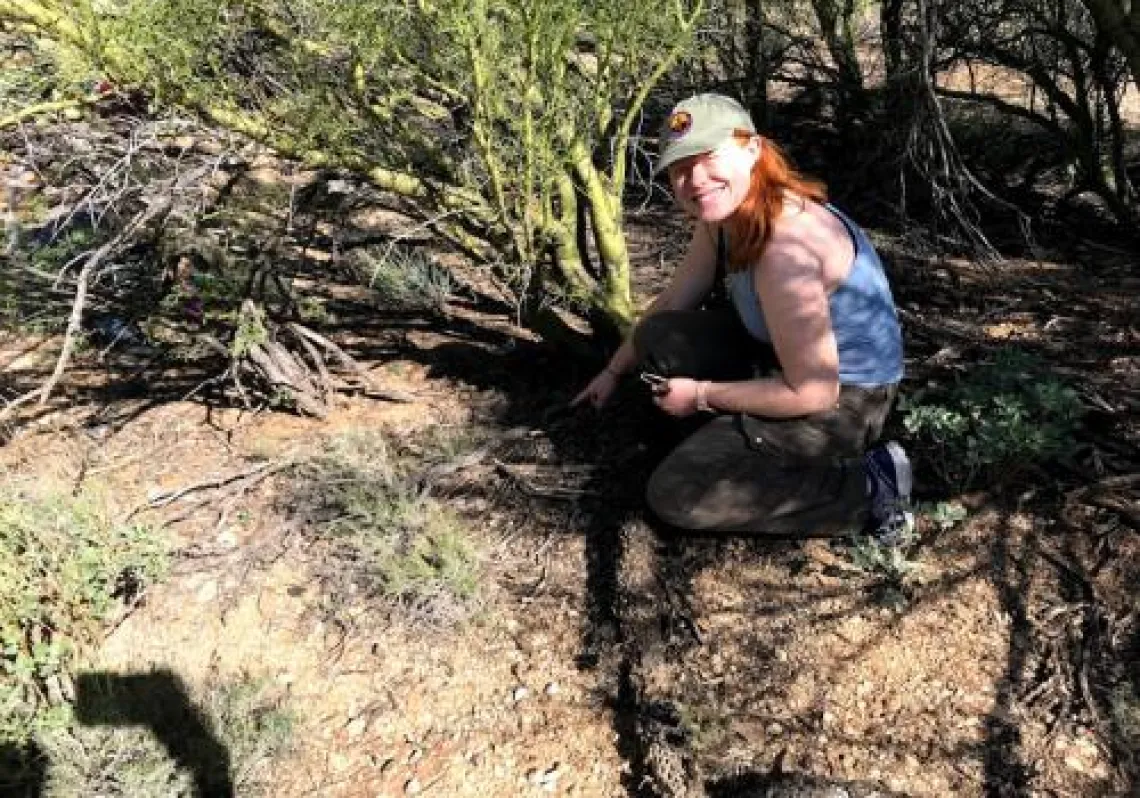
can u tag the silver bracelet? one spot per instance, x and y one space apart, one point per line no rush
703 398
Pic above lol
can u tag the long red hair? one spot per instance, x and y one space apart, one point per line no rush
773 177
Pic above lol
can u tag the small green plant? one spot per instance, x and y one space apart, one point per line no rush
387 537
250 330
1000 418
65 568
707 726
891 563
314 310
64 248
943 516
407 280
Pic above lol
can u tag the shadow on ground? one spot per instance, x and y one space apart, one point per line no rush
158 701
23 771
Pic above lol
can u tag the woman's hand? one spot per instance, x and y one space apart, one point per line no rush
598 392
678 396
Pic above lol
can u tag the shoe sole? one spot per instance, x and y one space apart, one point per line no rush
903 477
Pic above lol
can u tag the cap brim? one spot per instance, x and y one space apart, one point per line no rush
694 144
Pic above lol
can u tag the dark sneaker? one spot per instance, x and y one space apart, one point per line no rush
890 480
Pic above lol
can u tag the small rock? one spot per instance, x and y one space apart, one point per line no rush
227 539
775 729
519 693
415 756
781 655
356 728
54 691
412 786
387 765
207 592
67 686
552 773
551 689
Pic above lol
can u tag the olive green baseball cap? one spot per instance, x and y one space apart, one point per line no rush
699 124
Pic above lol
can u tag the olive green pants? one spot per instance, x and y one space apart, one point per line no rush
743 473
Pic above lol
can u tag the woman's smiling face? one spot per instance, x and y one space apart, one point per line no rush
710 186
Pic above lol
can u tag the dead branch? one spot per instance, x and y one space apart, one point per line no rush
934 154
328 386
260 471
367 388
97 257
282 371
556 492
346 359
1101 494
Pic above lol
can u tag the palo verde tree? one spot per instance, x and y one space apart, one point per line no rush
508 125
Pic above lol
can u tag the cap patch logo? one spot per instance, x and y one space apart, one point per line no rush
680 123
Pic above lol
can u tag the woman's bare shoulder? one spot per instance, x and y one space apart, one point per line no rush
797 237
809 231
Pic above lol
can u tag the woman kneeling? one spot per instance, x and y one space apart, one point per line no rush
799 369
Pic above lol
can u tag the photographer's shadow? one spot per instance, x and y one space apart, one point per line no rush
158 700
23 770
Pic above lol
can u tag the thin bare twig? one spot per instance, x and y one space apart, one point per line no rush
260 471
97 257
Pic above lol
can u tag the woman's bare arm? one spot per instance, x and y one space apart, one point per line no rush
792 290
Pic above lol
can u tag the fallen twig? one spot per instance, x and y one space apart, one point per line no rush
1098 494
260 471
529 488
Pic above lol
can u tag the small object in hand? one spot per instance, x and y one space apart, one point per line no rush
657 384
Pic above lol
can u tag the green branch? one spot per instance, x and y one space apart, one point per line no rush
604 205
680 44
43 18
41 109
487 151
452 198
567 257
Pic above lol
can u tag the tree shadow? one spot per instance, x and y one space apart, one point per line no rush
23 770
159 701
791 785
1006 773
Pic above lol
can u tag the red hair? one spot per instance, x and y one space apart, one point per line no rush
773 177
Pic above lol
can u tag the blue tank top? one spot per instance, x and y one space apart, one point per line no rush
863 315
